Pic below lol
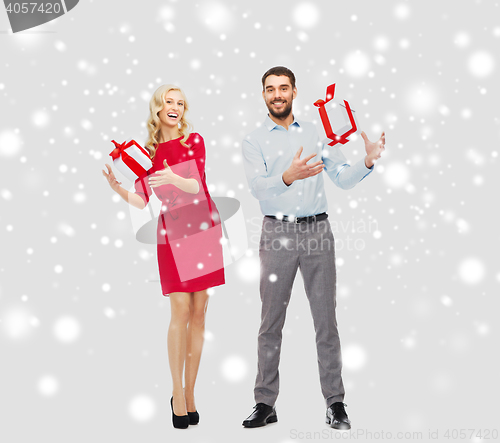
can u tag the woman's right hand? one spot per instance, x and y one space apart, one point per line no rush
113 182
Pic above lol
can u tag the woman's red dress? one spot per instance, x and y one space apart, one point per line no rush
190 223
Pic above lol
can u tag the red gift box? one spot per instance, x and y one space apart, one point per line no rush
339 122
131 159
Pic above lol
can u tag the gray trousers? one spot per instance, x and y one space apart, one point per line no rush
283 248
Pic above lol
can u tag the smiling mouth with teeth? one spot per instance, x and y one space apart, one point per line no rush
172 115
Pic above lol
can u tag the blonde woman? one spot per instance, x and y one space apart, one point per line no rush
178 180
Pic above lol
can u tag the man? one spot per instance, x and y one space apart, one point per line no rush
296 234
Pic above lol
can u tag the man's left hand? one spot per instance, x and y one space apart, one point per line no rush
373 149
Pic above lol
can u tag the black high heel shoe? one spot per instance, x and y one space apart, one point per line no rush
194 417
179 421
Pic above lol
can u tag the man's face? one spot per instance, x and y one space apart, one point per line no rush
278 95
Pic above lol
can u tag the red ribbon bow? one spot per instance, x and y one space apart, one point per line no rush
120 150
330 92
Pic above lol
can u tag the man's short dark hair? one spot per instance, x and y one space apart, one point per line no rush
279 70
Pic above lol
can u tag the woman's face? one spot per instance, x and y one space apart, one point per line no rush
173 110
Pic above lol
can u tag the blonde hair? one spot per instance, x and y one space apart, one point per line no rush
156 104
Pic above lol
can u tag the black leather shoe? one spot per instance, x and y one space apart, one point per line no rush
336 416
179 421
261 416
194 418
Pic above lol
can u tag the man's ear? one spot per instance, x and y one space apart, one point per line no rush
264 94
294 93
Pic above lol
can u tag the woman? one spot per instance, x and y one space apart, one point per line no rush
189 222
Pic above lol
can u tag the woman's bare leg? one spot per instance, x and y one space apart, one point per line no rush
194 344
176 342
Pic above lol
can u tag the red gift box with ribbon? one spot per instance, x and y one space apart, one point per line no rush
131 159
339 122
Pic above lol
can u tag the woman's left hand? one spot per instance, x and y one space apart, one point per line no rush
164 177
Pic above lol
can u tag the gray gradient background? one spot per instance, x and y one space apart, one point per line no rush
416 301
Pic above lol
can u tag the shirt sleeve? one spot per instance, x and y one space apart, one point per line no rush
262 186
340 171
142 188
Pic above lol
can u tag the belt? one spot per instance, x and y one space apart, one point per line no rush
308 219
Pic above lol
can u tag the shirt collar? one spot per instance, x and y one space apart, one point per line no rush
270 125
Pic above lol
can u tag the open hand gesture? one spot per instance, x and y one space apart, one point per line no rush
299 169
164 177
373 149
113 182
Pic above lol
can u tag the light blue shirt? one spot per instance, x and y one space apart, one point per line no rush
268 151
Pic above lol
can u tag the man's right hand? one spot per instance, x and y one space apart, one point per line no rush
299 169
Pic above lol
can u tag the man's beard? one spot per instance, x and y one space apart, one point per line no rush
283 113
